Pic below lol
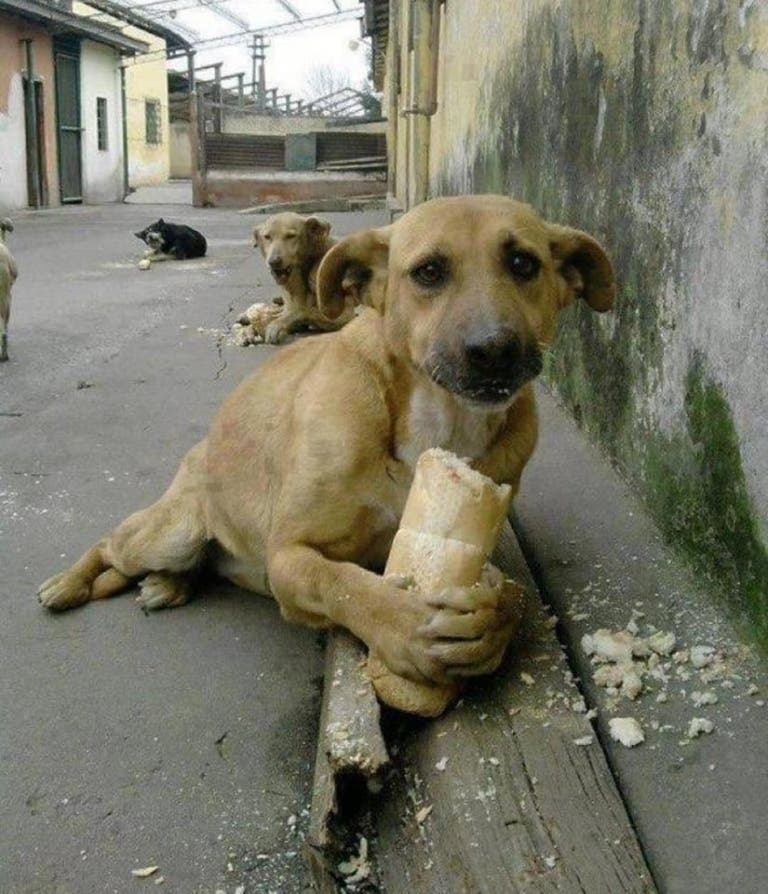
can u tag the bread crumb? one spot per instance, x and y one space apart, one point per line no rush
626 730
698 726
701 656
631 684
583 741
422 814
662 643
703 698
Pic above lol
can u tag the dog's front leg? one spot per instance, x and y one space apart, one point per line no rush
288 322
454 633
320 592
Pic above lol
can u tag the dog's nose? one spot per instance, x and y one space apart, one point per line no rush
276 262
494 352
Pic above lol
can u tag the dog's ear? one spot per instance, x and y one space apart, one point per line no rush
161 222
355 268
584 267
257 236
316 228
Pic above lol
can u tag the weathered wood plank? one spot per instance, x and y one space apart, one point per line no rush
350 743
516 805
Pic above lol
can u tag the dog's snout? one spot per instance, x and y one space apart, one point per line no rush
275 262
493 352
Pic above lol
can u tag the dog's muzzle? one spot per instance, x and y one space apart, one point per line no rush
488 370
279 273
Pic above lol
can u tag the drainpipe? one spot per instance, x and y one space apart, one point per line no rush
30 109
421 106
124 117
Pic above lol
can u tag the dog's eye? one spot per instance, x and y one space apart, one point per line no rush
266 237
430 274
290 235
522 265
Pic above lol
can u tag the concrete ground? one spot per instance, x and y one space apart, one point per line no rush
699 805
186 739
183 739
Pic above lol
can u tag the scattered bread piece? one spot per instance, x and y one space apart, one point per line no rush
626 730
702 656
698 726
662 643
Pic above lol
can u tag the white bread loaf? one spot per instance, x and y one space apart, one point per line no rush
449 527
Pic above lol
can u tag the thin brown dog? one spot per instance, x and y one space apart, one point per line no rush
293 247
8 275
298 489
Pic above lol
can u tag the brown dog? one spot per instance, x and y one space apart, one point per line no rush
8 274
293 247
299 494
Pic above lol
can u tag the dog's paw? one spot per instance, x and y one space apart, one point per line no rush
144 264
162 590
63 591
274 333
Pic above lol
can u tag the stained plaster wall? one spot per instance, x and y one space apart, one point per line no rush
13 159
646 123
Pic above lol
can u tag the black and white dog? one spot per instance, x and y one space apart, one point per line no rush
171 242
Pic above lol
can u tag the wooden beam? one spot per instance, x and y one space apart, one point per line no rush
497 795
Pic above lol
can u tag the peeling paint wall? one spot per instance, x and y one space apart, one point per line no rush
13 158
646 123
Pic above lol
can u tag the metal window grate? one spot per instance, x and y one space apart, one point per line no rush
152 119
101 123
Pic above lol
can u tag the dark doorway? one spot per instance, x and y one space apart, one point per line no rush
67 61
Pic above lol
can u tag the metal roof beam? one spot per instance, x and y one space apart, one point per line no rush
290 9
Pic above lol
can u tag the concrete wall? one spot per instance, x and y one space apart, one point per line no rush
13 160
145 78
279 125
180 150
102 168
643 121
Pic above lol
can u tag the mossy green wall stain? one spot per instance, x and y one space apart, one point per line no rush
694 483
583 142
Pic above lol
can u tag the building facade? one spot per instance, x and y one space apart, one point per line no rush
147 125
78 121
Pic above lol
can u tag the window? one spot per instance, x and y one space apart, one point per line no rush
101 123
152 119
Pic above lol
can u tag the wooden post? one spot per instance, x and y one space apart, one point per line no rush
197 149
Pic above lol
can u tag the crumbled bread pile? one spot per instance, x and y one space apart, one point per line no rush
627 665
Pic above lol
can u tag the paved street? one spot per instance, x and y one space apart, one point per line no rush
183 739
